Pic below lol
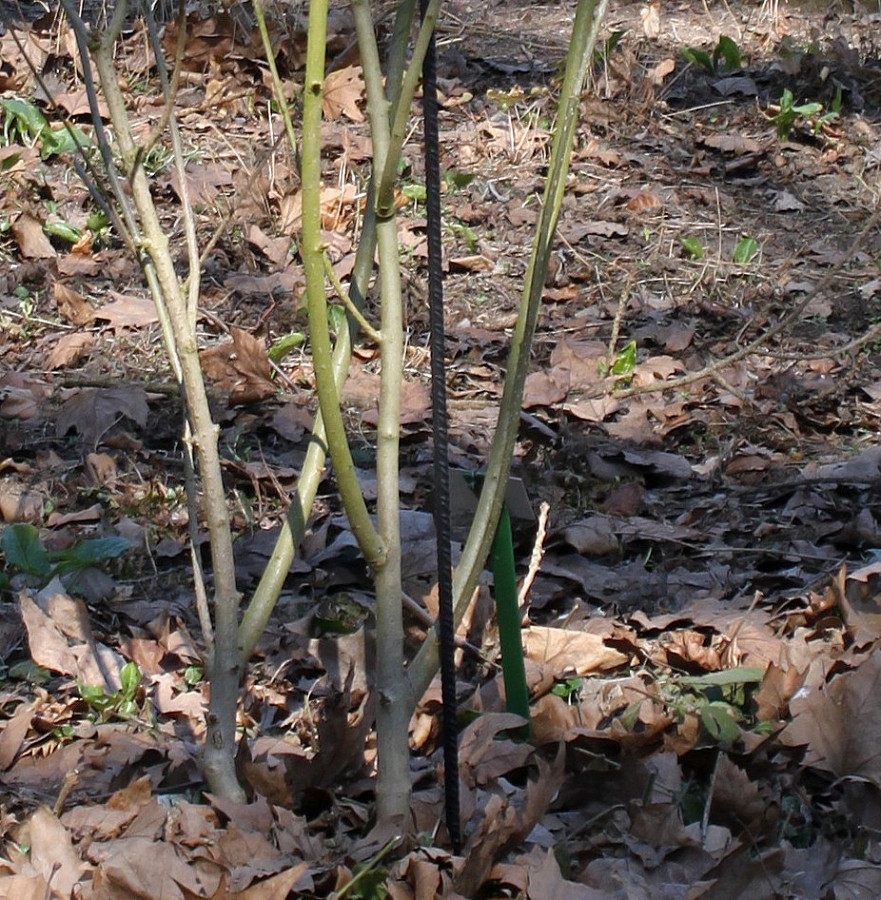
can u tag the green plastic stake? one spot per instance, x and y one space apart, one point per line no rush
508 614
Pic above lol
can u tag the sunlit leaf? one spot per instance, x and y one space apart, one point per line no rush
129 678
31 122
61 140
745 249
285 344
62 230
737 675
697 57
625 359
692 246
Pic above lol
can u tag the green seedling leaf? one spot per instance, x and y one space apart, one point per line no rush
339 614
89 552
465 233
9 161
285 344
611 42
745 250
127 709
30 121
62 230
835 105
415 192
625 359
458 179
719 723
336 318
94 695
737 675
96 220
727 51
61 140
697 57
567 687
129 679
23 550
192 675
808 109
630 715
28 670
692 246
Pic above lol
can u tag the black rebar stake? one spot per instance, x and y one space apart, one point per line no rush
442 526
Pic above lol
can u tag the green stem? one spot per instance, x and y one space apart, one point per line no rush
277 87
312 472
311 249
385 200
393 708
397 55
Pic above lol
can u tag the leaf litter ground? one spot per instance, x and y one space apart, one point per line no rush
702 625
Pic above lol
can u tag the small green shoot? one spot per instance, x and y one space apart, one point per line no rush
692 247
285 344
717 699
568 688
23 123
156 159
120 704
414 192
745 249
27 670
336 318
466 234
193 675
788 114
457 179
601 54
62 230
725 56
625 359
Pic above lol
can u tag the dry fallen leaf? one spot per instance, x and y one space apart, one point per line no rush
342 91
31 239
128 312
240 366
68 349
73 306
569 652
93 411
651 19
644 201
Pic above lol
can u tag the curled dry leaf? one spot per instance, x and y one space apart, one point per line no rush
240 366
73 306
342 91
31 239
69 348
570 652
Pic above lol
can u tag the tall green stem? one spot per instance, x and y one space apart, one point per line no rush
311 250
393 707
